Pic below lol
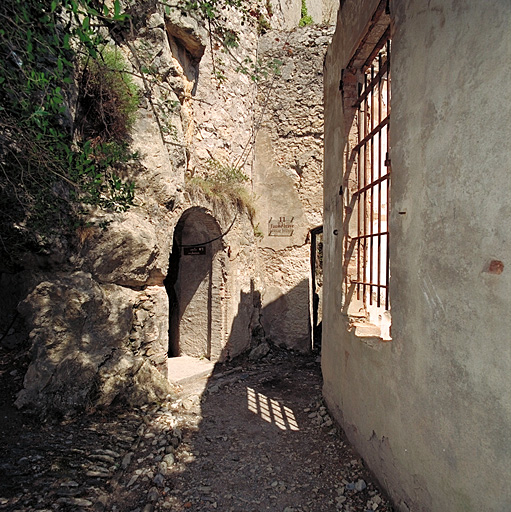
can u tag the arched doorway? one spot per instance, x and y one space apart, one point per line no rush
195 285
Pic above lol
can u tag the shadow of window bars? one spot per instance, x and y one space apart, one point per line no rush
271 410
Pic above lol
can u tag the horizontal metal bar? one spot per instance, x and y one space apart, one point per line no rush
371 235
372 133
369 284
372 184
363 44
371 85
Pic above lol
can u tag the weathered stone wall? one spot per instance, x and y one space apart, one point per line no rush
430 410
222 106
220 118
286 14
288 178
214 296
99 321
98 312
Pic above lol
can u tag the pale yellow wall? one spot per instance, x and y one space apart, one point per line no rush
430 411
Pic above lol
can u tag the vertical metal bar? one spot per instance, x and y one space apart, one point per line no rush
313 280
378 280
371 167
387 276
359 170
346 222
347 233
373 250
364 200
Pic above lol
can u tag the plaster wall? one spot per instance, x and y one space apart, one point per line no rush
430 410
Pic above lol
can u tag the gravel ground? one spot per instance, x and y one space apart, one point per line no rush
258 438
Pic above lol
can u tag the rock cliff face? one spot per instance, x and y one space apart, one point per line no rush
81 353
99 321
288 180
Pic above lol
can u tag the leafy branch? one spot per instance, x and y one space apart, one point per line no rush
50 166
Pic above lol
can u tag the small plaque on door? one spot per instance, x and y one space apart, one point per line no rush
198 250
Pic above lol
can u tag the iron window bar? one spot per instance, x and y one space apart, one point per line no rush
372 194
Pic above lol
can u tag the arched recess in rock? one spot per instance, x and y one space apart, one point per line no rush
195 285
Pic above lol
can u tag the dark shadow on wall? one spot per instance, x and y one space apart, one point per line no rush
317 285
246 329
170 284
286 319
197 316
283 322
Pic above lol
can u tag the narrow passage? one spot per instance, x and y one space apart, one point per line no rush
252 437
261 439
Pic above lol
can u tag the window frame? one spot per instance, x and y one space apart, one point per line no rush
367 172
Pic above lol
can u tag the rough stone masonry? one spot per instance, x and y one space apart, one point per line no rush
95 309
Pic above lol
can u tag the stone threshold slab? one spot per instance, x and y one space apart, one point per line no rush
185 369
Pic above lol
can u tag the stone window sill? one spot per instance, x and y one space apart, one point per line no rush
368 333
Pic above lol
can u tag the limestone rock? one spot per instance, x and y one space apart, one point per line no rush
259 352
128 253
155 20
187 30
79 333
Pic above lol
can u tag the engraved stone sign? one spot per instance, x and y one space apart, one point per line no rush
281 226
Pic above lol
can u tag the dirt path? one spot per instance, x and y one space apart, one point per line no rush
262 440
257 439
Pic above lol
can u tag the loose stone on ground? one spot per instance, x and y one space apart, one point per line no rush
258 438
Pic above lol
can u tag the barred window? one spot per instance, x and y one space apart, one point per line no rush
367 186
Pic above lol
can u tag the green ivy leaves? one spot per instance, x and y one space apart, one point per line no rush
47 173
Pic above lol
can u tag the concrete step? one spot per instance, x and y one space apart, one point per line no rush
185 369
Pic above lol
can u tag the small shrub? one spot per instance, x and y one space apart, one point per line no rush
224 183
263 25
257 232
306 19
226 174
108 98
269 8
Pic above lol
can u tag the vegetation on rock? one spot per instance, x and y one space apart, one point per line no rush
54 62
108 98
306 18
67 104
224 183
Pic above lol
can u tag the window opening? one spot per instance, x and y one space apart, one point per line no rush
367 269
